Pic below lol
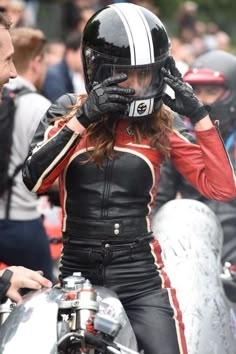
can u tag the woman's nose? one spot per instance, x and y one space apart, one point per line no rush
134 83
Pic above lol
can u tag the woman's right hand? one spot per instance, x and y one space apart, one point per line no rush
106 97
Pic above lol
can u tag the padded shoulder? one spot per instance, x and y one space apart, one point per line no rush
61 106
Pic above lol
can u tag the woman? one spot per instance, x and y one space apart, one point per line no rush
107 148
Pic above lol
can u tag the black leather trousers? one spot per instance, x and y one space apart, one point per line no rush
133 270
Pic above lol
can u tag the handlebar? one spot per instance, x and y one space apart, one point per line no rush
98 341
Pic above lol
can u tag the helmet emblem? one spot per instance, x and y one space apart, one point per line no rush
141 108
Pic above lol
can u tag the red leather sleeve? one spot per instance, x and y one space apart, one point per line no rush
206 166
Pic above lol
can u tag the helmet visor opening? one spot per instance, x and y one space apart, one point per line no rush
146 79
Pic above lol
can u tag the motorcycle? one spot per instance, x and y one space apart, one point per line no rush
79 318
75 318
191 240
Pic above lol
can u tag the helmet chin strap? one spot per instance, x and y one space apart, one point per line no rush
140 109
125 115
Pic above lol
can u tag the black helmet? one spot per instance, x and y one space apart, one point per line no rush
125 38
217 67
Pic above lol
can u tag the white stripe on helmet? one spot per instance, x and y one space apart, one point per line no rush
138 32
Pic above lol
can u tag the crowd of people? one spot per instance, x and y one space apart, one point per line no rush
96 110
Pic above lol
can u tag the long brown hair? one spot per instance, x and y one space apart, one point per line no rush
155 128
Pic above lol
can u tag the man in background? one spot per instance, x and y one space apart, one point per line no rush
67 75
14 278
23 239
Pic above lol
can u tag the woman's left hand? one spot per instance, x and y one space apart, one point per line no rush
185 102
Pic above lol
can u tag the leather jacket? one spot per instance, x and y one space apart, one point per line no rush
126 186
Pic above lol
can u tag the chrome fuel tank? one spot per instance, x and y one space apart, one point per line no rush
32 327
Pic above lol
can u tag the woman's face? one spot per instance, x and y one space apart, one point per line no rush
138 79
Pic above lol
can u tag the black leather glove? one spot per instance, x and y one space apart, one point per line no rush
5 283
185 102
104 98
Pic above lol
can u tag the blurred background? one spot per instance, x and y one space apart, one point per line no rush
203 24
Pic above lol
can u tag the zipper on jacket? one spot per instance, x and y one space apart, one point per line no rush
107 185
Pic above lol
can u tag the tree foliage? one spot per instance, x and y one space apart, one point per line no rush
221 12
